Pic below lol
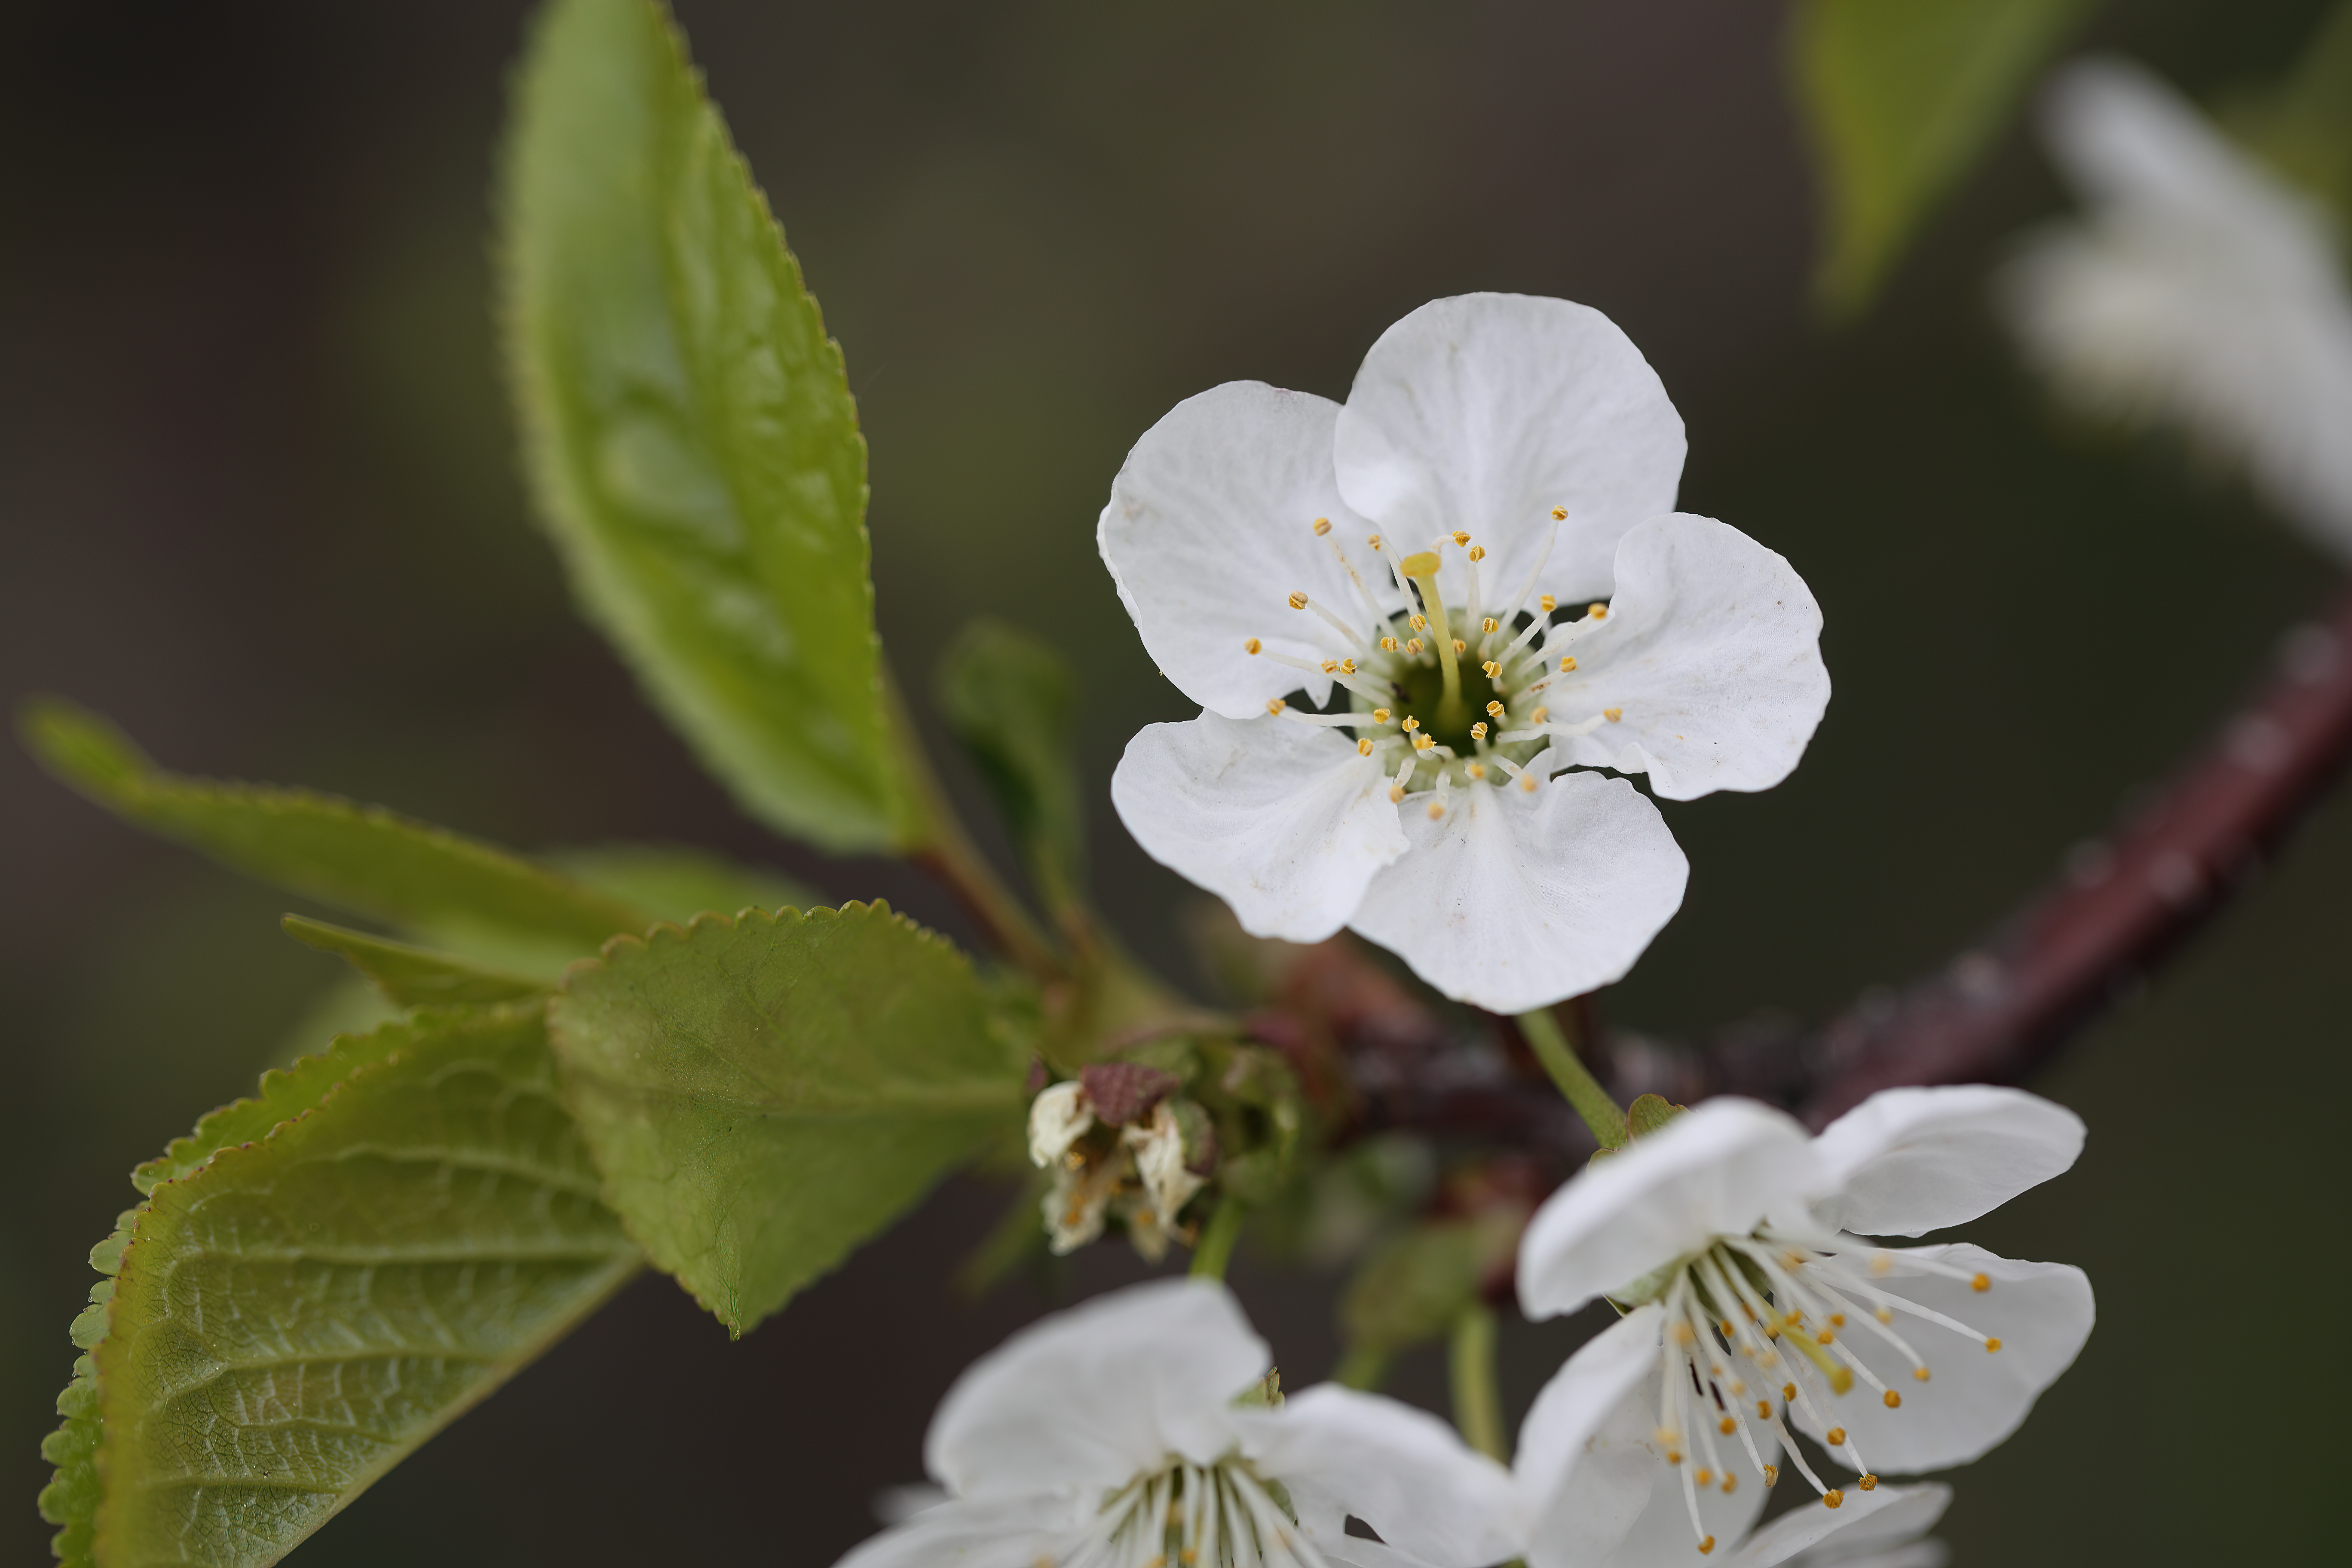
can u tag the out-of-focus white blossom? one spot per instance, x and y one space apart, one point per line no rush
2198 291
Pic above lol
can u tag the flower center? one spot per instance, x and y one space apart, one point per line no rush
1757 1324
1194 1516
1448 691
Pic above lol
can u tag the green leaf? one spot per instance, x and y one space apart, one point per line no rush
1413 1286
691 438
412 976
1900 97
364 858
320 1279
2302 126
765 1093
678 881
1010 697
1651 1113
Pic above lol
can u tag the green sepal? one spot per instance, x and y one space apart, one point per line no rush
1649 1114
766 1092
412 976
1900 97
1010 697
364 858
320 1279
690 437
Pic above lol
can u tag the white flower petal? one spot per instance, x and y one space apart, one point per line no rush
1400 1471
1091 1398
1283 821
1711 654
2200 291
1908 1161
1582 1474
1661 1535
1210 529
1513 900
1355 1552
1058 1118
1715 1172
992 1532
1867 1521
1484 412
2041 1313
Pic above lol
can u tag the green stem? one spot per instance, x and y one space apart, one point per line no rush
1215 1250
1361 1367
937 842
1478 1403
1575 1080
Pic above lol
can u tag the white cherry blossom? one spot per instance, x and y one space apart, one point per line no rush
1110 1435
2202 291
1738 1240
1410 552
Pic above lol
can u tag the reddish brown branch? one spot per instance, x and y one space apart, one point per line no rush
1991 1015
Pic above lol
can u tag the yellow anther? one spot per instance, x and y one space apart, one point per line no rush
1477 770
1832 1498
1373 540
1835 1436
1992 1346
1548 603
1420 623
1494 708
1706 1546
1491 669
1363 747
1705 1478
1322 526
1727 1425
1894 1400
1867 1483
1597 610
1276 705
1771 1475
1477 552
1347 667
1254 645
1824 1338
1982 1283
1477 732
1730 1483
1763 1410
1436 809
1460 537
1528 783
1920 1372
1460 648
1413 646
1388 645
1560 514
1537 717
1681 1333
1298 601
1788 1391
1423 743
1880 1263
1885 1314
1612 715
1837 1320
1567 663
1380 715
1422 564
1490 624
1410 723
1330 666
1396 793
1725 1324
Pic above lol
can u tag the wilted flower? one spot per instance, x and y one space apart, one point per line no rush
1142 1162
2202 291
1500 456
1118 1432
1733 1237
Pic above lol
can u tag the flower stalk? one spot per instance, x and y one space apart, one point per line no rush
1575 1080
1470 1366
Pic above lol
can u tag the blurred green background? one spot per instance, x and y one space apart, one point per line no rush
257 500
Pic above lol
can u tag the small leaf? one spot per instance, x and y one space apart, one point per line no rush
678 881
411 976
1901 96
321 1279
1412 1287
765 1093
1010 697
691 438
362 859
